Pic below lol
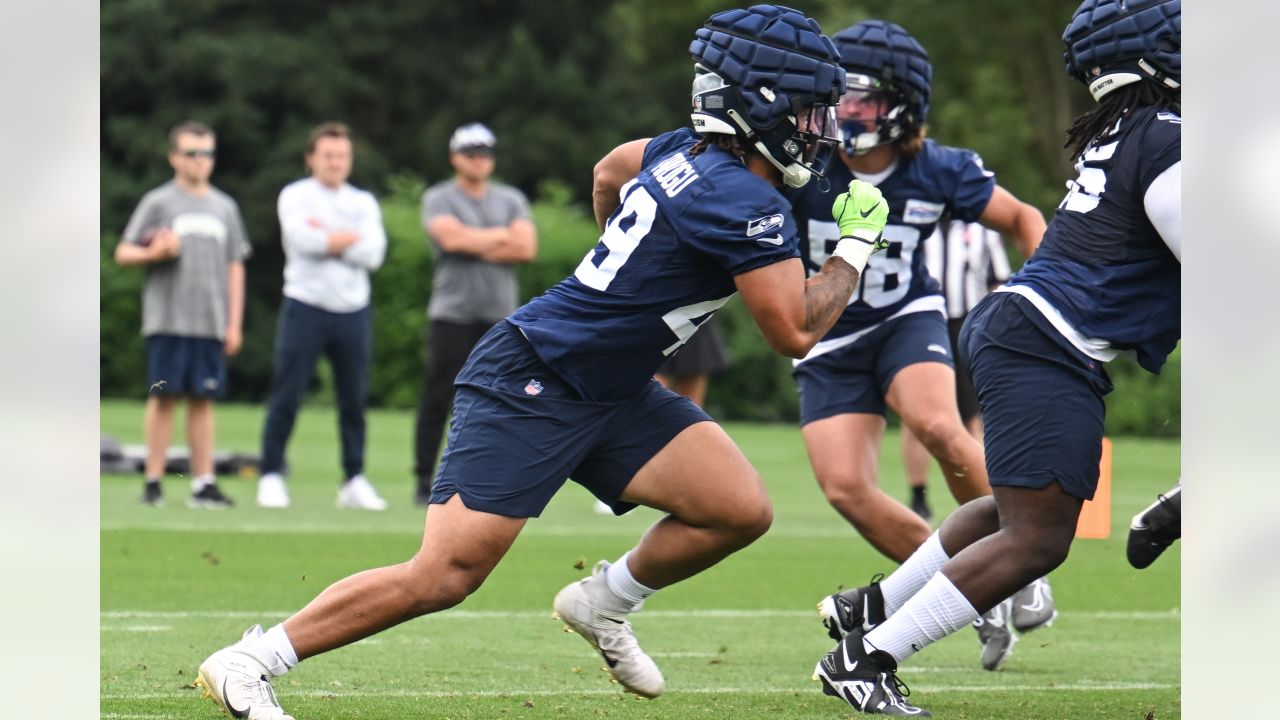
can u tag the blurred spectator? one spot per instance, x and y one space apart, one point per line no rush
333 237
192 240
478 230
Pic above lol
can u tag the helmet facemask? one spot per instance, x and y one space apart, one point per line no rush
800 144
861 132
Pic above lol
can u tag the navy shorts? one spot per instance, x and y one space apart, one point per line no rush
519 431
856 377
178 365
1042 399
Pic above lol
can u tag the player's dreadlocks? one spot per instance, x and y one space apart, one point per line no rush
1116 105
728 143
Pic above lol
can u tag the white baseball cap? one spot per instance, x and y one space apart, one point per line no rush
472 135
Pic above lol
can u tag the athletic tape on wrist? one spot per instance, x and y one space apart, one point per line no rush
854 251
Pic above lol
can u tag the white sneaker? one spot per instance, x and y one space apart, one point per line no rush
609 633
358 493
272 492
239 683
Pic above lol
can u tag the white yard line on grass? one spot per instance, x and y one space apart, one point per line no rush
1084 686
619 530
1173 614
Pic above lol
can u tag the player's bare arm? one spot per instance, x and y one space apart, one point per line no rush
794 314
1021 223
611 173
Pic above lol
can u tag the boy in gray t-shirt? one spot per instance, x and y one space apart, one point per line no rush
193 242
478 230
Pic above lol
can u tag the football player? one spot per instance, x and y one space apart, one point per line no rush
1105 279
891 346
564 386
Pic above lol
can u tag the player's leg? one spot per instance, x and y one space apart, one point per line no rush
350 352
300 334
1044 413
924 395
715 500
844 454
497 472
460 547
664 452
915 459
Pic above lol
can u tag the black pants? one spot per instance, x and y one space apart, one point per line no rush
448 345
303 334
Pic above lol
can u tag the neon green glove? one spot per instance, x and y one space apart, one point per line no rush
861 214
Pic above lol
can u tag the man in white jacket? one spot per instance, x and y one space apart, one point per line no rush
333 237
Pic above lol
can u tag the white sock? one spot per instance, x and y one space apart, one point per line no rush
913 574
274 651
624 585
200 481
935 612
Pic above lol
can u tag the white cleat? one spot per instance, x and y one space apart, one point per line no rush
272 492
610 634
239 684
358 494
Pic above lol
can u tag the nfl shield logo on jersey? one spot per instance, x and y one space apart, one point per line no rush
533 387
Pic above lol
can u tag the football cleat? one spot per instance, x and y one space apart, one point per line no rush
857 609
609 633
272 492
920 507
996 635
1033 607
867 681
358 493
239 683
1153 530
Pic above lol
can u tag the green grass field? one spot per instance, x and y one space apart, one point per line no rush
739 641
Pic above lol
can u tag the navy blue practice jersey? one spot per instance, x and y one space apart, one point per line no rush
940 180
665 263
1102 264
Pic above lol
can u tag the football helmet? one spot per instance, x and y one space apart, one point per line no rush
768 75
1112 43
886 68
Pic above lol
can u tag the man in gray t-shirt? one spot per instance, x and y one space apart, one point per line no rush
478 230
191 239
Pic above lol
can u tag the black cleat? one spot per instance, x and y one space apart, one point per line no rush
1153 530
210 497
857 609
867 681
920 506
152 495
